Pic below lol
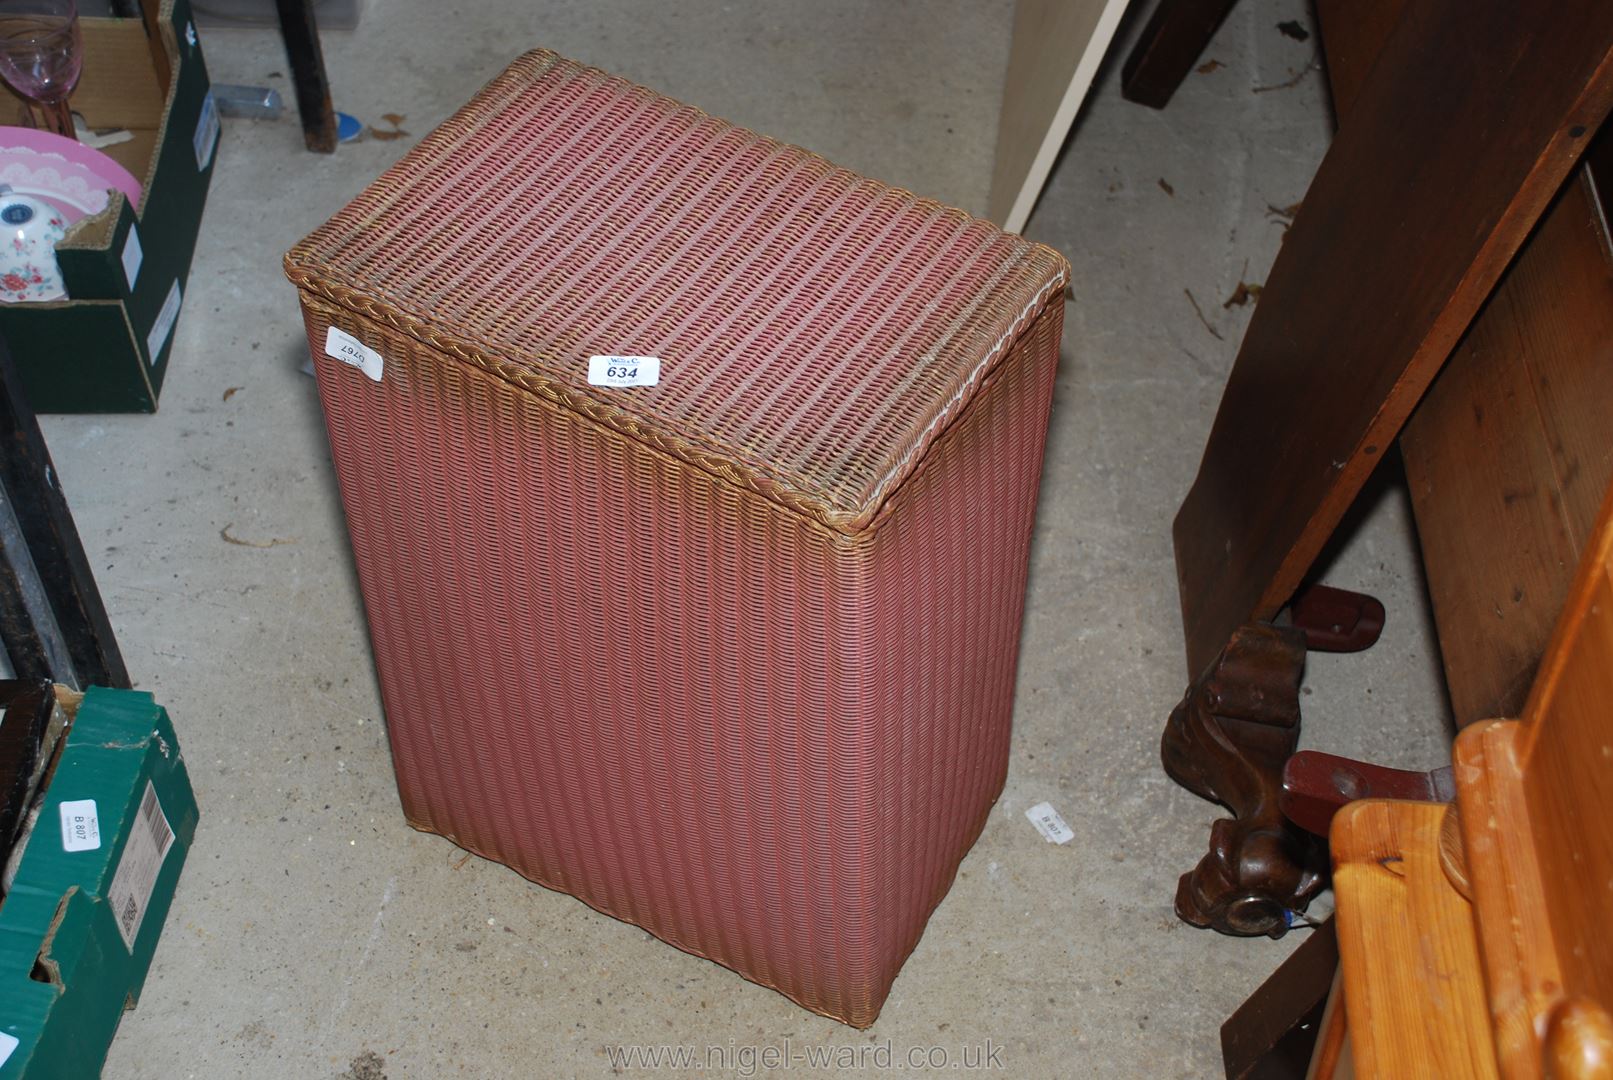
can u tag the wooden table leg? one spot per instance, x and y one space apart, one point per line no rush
1175 36
1421 202
1273 1033
1227 741
307 61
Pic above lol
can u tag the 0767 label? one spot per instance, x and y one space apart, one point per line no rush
340 345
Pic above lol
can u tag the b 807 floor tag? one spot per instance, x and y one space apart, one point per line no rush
1050 823
624 370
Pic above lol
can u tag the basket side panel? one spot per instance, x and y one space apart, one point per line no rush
766 742
950 571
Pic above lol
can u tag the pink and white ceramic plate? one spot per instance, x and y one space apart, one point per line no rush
70 176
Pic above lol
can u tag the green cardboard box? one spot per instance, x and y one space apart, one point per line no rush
105 349
80 925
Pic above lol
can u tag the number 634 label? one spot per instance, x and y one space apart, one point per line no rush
624 370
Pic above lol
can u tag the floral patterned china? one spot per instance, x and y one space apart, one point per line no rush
29 231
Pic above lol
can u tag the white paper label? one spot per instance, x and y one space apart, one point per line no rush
8 1043
133 256
149 841
81 826
205 137
164 324
354 353
624 370
1048 822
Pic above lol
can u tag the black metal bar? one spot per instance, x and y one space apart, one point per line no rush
301 36
51 564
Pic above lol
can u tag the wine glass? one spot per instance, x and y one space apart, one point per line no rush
41 55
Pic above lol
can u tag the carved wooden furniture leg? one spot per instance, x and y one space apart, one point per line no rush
1227 741
1176 34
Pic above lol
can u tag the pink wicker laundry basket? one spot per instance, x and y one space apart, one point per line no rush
730 656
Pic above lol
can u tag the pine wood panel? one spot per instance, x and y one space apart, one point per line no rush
1568 777
1413 983
1509 454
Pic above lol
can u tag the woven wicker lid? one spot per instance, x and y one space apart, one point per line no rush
817 330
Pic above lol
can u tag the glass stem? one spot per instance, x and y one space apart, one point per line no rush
58 117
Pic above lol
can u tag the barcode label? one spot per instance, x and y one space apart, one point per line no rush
149 840
624 370
156 821
1050 824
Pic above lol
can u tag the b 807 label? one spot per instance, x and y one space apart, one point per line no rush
81 825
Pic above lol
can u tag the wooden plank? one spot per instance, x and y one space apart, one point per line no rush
1273 1033
1521 970
301 36
1353 33
1413 981
1056 48
1567 764
1509 454
1422 200
1171 43
1331 1061
1535 796
1568 344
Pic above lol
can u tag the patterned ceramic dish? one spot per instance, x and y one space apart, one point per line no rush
30 229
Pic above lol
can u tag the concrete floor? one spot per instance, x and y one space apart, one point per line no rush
316 935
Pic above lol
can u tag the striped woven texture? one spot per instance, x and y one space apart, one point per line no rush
731 657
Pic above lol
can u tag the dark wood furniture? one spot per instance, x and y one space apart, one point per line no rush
1437 176
1507 449
1169 46
301 36
52 621
1273 1034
